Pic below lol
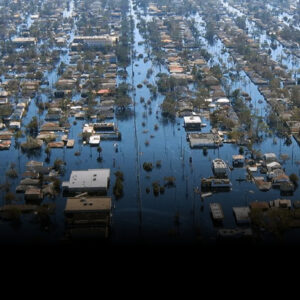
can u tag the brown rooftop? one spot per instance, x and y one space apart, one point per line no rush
259 205
88 204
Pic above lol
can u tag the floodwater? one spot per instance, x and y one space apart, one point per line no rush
177 216
277 51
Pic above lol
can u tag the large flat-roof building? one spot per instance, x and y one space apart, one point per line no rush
92 180
24 41
95 41
88 208
88 217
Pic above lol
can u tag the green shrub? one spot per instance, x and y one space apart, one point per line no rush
147 166
156 188
294 178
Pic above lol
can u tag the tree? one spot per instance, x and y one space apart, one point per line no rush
241 22
59 166
48 153
168 107
123 102
295 95
118 187
294 178
99 150
33 126
216 71
122 99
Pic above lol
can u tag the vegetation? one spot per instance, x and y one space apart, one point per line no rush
31 144
156 188
59 166
147 166
294 179
99 150
168 107
48 153
12 172
118 187
33 126
169 181
275 220
122 101
56 184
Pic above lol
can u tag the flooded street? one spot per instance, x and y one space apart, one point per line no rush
178 214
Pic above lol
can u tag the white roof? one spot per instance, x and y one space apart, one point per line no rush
270 155
192 119
219 163
273 164
94 139
92 178
252 169
223 100
24 39
87 128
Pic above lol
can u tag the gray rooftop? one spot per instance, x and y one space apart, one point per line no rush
242 214
92 178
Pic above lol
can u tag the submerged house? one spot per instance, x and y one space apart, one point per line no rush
280 179
269 157
24 41
275 173
219 167
238 160
216 212
273 166
33 193
200 140
96 41
192 123
242 214
281 203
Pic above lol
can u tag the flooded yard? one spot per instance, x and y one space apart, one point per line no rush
164 203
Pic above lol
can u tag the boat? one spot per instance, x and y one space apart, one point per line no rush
204 195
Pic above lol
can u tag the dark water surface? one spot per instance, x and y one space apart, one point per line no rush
138 215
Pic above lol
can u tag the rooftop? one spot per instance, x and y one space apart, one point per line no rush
219 163
24 39
259 205
92 178
192 120
269 155
242 214
88 204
